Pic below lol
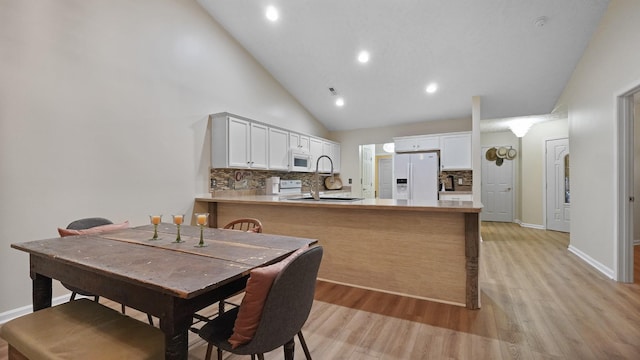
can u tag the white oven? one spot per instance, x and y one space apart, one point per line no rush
299 161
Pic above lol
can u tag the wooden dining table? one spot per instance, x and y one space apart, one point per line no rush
168 280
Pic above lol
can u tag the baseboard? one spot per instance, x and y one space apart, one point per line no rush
591 261
14 313
636 242
531 226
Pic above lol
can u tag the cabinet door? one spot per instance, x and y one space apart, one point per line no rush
315 149
327 149
278 149
299 141
417 143
403 145
259 146
294 140
238 143
304 143
427 143
336 157
456 152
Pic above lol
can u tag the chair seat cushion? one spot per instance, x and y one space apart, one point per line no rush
83 329
93 230
258 286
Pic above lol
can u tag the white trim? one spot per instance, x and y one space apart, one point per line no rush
27 309
623 183
591 261
636 242
531 226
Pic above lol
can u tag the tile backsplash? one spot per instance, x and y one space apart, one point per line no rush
253 181
465 175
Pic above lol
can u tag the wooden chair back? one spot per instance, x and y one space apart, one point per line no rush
246 224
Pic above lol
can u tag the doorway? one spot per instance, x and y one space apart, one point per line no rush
627 123
558 193
496 188
385 177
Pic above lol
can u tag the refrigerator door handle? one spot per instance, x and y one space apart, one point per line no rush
410 177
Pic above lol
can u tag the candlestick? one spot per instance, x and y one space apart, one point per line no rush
177 219
201 220
155 220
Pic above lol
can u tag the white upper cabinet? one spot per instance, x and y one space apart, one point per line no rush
238 143
416 143
315 149
242 143
299 142
455 152
278 149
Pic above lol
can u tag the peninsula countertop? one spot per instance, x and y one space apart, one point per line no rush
379 204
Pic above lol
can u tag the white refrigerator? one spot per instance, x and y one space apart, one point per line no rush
416 176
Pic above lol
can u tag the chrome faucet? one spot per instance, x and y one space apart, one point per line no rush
315 187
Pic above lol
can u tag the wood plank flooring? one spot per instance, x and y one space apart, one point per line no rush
538 302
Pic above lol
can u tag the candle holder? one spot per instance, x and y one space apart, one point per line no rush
201 220
178 219
155 220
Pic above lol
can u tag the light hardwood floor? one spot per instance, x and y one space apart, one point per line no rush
538 302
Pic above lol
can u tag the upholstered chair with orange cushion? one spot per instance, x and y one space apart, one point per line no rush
276 305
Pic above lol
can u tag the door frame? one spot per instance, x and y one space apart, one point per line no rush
623 255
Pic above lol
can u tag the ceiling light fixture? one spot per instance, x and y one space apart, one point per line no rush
340 102
272 13
431 88
520 128
363 56
389 147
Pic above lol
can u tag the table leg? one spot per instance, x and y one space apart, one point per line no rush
176 338
42 291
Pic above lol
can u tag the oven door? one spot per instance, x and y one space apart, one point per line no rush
300 161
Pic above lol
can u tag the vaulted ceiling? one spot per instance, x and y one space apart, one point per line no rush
516 54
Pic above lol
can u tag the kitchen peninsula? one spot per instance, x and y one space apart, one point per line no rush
422 250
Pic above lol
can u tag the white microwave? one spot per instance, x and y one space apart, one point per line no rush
300 161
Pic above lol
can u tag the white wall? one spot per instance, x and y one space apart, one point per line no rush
532 171
609 66
103 112
351 140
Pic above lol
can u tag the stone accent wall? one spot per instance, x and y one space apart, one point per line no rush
465 175
253 181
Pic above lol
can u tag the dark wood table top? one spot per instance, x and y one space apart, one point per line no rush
177 269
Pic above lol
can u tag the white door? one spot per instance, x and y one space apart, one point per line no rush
496 190
385 178
368 190
558 193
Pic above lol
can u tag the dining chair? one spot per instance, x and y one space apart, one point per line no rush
246 224
286 309
83 224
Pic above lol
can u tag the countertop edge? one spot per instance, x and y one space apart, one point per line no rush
369 204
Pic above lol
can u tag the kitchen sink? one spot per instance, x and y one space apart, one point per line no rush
326 198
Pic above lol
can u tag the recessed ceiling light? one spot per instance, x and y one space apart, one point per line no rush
340 102
363 56
272 13
431 88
